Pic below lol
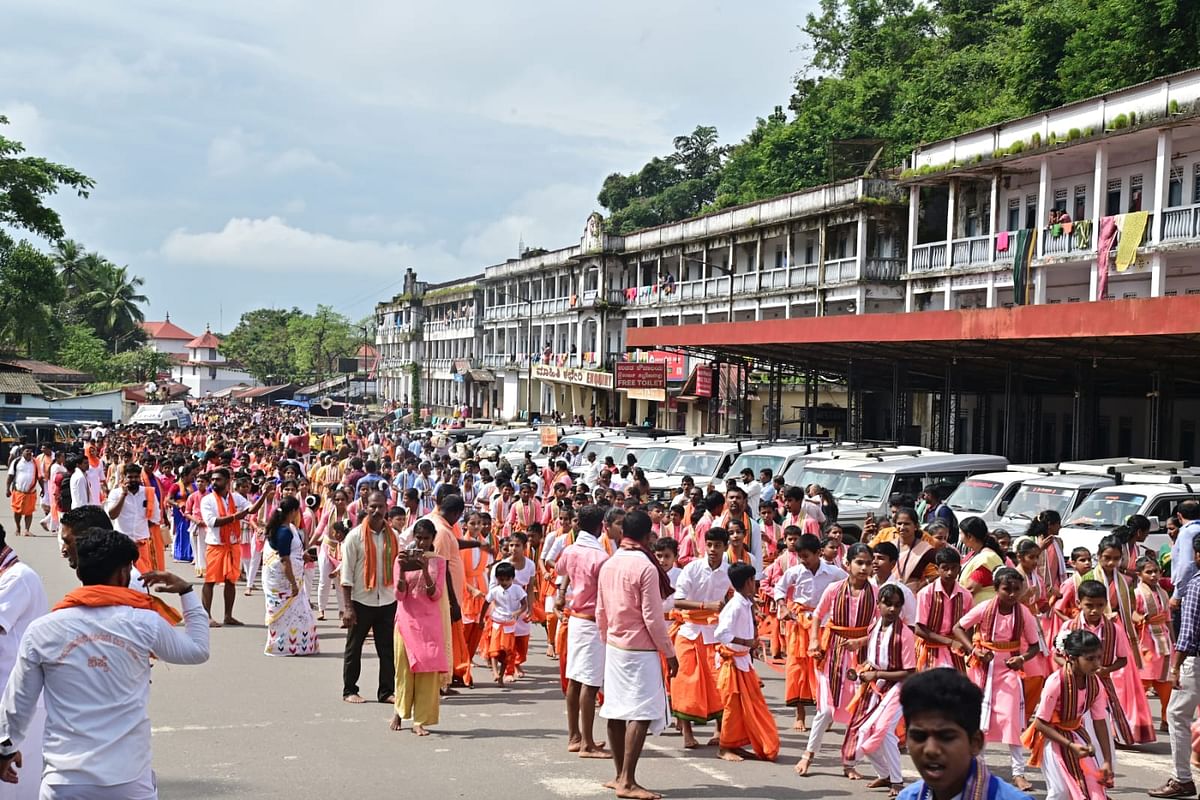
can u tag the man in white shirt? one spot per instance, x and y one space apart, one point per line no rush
24 480
77 482
22 600
126 506
223 511
90 657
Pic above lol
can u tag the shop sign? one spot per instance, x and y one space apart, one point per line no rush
574 376
640 375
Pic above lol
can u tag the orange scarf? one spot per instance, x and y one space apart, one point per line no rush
231 530
103 596
370 564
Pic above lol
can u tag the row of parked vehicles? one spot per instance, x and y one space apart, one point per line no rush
1091 497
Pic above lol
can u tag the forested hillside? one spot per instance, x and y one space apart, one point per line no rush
906 72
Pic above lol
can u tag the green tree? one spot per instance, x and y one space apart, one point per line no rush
75 267
80 348
113 306
320 340
139 365
25 184
29 290
260 342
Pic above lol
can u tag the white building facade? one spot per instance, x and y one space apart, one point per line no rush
206 370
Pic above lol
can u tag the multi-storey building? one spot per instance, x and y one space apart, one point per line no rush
1037 335
428 341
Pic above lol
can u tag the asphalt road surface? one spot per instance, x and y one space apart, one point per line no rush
248 725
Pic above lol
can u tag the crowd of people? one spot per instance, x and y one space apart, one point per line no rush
920 632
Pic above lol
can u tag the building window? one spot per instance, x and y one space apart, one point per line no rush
972 223
1014 213
1112 200
1175 188
1080 201
1196 183
808 249
12 399
1135 193
1031 220
779 257
1060 199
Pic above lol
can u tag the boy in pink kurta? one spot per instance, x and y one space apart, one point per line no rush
939 606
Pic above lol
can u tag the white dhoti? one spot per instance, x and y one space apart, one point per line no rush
585 652
633 687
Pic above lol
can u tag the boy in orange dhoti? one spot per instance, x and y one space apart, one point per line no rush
746 719
700 592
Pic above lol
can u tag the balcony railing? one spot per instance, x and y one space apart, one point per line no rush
841 270
926 257
884 269
587 360
458 324
1181 223
971 250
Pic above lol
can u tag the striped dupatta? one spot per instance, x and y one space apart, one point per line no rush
927 651
1068 720
870 694
985 637
841 627
1108 656
1121 600
1157 623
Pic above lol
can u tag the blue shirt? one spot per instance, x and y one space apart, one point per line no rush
375 481
997 790
1183 563
1189 618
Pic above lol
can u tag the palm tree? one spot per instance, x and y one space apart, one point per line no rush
74 267
114 305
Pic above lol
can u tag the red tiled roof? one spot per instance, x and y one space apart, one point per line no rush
165 330
261 391
137 392
41 369
207 339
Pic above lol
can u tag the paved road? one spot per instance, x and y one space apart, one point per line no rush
246 725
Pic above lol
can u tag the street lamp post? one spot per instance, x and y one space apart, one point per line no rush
529 356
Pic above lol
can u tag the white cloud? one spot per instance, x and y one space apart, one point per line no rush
550 217
26 126
236 152
272 245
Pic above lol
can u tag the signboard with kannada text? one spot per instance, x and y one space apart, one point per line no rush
704 380
640 375
548 435
572 375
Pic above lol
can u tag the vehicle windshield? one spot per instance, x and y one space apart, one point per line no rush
869 486
755 462
1033 500
974 495
1104 510
697 463
492 440
657 459
829 479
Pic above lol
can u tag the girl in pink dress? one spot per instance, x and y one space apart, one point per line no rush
891 657
1156 639
1037 600
422 628
1070 724
844 615
1005 639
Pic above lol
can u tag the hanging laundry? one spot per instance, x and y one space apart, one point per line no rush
1131 238
1056 230
1002 242
1067 227
1083 234
1108 234
1024 243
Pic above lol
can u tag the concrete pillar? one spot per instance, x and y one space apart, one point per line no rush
1162 178
951 209
1158 273
860 246
1099 190
1045 202
994 209
914 210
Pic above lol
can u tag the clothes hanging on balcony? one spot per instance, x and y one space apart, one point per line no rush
1002 242
1056 230
1108 234
1083 234
1131 238
1024 241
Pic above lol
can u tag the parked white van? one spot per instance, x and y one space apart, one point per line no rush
706 461
1050 492
168 415
987 495
1153 495
865 488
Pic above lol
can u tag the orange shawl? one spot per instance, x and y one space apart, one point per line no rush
103 596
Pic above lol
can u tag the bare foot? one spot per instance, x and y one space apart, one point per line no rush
1022 783
636 792
852 773
594 751
896 789
248 592
520 673
419 730
320 616
574 746
730 755
804 764
212 623
390 700
611 784
233 623
799 725
879 783
396 723
713 742
353 698
690 743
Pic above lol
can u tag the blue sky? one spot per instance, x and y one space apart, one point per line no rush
288 153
